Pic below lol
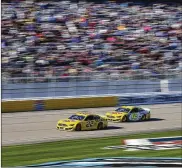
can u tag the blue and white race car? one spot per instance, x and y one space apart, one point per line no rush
128 113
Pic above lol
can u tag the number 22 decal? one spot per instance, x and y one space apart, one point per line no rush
89 124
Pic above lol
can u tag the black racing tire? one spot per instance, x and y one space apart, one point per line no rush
100 126
143 118
78 127
124 119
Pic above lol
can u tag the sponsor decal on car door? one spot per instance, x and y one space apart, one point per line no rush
134 115
89 122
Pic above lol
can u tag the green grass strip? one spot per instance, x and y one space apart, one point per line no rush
21 155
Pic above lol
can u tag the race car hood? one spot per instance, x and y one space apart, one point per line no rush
103 117
68 121
114 113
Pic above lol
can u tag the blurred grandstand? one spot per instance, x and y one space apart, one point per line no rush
112 40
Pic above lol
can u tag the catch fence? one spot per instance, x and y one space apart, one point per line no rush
97 84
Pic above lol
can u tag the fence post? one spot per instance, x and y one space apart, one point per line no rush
164 86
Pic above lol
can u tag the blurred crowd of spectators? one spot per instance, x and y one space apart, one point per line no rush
62 38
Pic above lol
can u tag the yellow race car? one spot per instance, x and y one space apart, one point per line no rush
128 113
83 121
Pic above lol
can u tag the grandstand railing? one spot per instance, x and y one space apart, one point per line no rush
91 76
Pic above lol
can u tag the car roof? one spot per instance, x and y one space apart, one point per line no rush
130 107
84 113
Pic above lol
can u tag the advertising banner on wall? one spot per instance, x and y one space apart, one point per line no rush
150 99
39 105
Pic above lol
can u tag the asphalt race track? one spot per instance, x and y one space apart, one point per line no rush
31 127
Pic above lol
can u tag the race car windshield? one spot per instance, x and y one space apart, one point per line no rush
122 110
76 117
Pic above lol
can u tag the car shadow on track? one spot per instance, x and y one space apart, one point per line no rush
151 119
108 128
155 119
113 127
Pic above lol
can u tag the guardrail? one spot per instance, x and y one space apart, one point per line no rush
57 103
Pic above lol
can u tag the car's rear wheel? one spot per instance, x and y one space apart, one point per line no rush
78 127
144 117
100 126
124 119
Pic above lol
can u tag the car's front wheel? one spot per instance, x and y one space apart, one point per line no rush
78 127
124 119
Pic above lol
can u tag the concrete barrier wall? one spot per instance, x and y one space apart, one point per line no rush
17 105
68 103
57 103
